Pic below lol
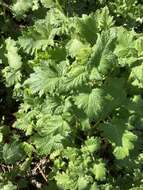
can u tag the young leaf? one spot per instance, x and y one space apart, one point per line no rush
99 171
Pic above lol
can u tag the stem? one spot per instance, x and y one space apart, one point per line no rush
42 173
59 6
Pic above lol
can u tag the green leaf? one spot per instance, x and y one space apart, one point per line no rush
71 153
136 76
52 104
92 144
25 166
28 42
102 55
12 153
121 152
83 55
95 75
12 72
20 7
46 78
58 54
139 45
104 19
1 137
125 48
76 77
27 114
28 148
94 187
112 91
122 140
82 183
74 46
8 186
84 28
64 181
125 41
99 171
41 35
52 132
48 3
14 59
49 143
91 102
128 139
85 123
12 76
52 124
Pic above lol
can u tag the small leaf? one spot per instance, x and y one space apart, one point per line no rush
121 152
12 153
92 144
82 183
99 171
14 59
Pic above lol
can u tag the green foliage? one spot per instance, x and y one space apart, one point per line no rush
71 85
120 138
12 71
7 186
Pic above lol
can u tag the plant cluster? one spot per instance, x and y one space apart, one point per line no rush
71 95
